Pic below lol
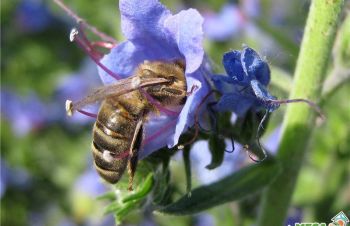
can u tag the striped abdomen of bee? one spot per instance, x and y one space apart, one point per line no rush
117 128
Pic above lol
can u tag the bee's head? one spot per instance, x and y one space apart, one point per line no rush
172 93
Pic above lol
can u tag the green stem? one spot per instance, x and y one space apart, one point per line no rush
300 119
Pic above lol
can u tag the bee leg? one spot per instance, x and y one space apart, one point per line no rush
134 151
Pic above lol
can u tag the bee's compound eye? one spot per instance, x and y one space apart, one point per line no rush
107 156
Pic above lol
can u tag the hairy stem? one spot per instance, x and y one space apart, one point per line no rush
299 120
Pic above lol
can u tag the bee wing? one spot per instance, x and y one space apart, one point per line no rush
118 88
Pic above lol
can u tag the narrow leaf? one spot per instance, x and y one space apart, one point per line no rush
145 188
187 162
108 195
113 207
217 148
242 183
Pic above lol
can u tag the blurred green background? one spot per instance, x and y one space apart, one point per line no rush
47 177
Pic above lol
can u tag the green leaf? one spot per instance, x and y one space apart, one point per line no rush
217 148
242 183
107 196
187 162
113 207
246 128
141 192
121 213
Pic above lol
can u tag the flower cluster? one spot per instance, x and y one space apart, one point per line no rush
245 86
25 114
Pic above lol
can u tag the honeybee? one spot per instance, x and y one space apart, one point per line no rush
125 107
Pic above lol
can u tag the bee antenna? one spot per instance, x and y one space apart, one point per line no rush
309 102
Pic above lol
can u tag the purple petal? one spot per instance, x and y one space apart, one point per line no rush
143 19
186 117
224 25
125 58
254 66
234 102
186 28
154 34
233 65
223 83
158 132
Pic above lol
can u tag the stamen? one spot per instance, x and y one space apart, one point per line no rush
87 42
258 138
250 155
74 32
193 88
70 108
106 45
233 146
246 146
159 132
122 155
84 43
78 19
159 105
86 46
310 103
92 115
196 120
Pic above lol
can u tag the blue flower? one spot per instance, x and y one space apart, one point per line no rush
24 114
33 16
295 215
224 25
87 185
245 86
13 177
153 33
231 21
